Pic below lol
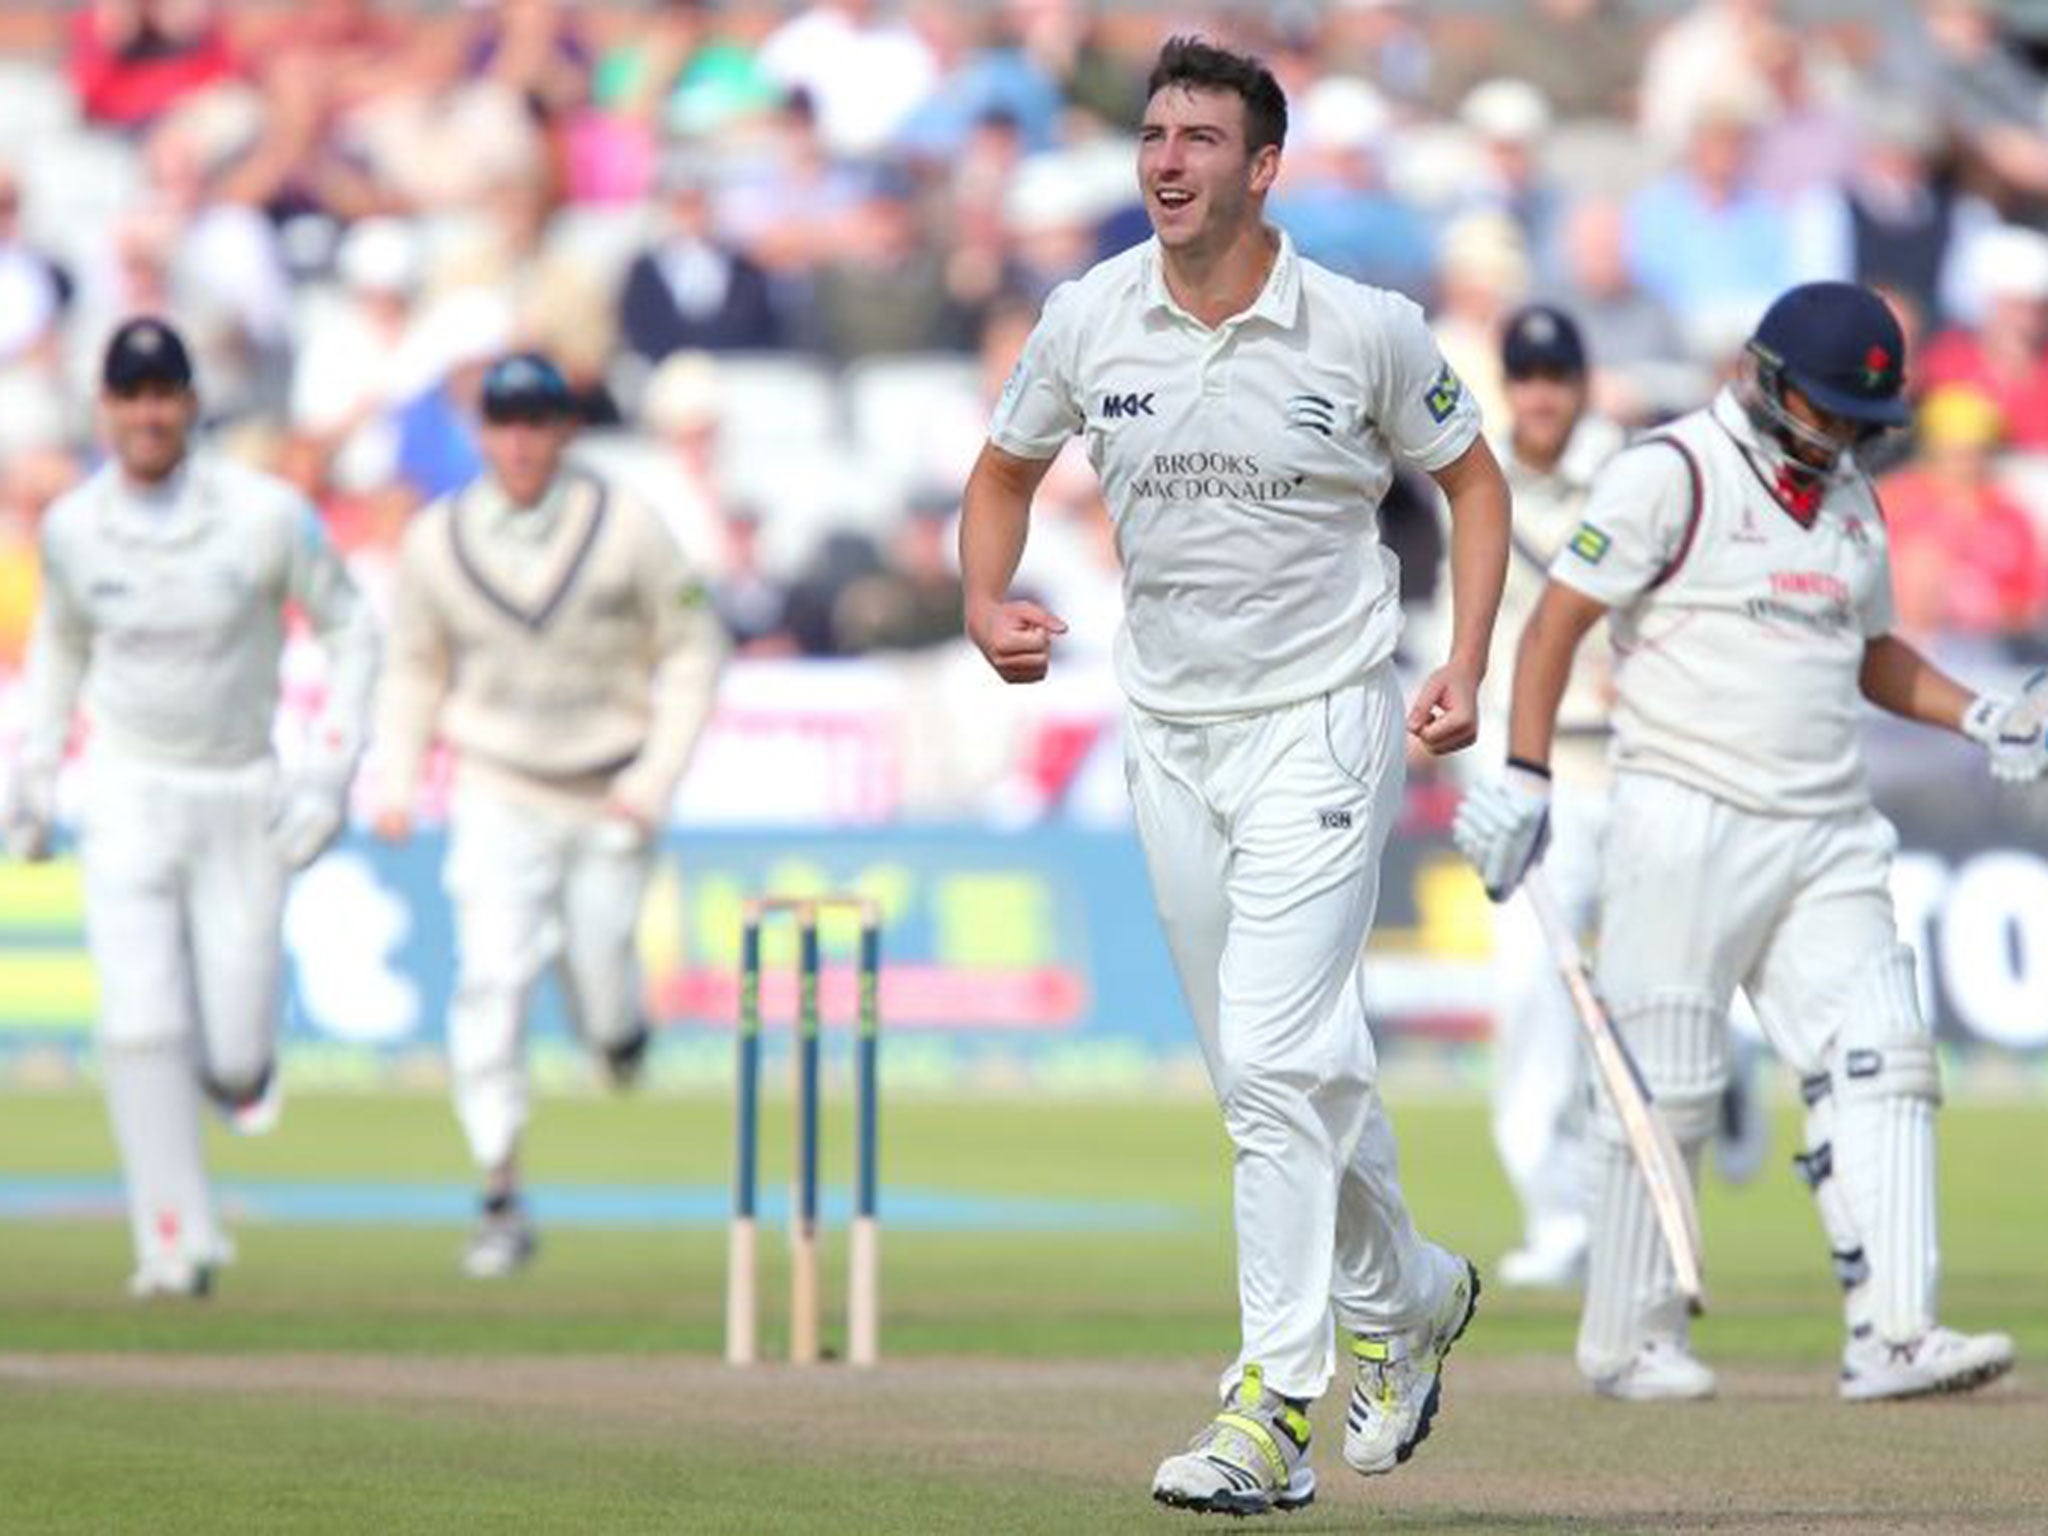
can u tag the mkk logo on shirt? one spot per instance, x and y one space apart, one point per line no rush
1115 406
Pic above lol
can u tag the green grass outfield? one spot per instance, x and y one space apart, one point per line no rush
427 1420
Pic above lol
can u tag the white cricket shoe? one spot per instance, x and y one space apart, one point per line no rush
1400 1384
1251 1459
185 1279
257 1116
503 1244
1940 1360
1663 1371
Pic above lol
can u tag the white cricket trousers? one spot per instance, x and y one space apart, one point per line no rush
1698 898
1539 1064
184 900
532 889
1263 837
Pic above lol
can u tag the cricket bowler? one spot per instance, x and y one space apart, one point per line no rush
1244 408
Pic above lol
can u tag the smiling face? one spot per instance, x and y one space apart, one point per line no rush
147 427
1201 182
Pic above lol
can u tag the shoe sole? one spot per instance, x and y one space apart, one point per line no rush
1427 1418
1963 1381
1238 1506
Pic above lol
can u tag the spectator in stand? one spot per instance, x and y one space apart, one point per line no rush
1000 78
691 290
33 289
680 409
1628 331
1710 58
1064 40
1967 557
1953 55
536 49
1510 119
1483 272
914 603
1583 55
133 60
439 447
684 71
227 268
1703 237
1332 197
751 604
786 197
1894 221
1384 41
1807 131
883 289
358 353
2005 355
866 73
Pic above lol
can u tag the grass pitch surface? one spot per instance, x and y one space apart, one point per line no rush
349 1379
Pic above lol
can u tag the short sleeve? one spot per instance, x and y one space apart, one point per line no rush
1424 410
1636 524
1039 408
1879 617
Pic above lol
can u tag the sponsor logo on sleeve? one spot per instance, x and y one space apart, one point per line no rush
1590 544
1444 393
1126 405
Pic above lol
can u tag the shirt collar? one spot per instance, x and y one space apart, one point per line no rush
1279 301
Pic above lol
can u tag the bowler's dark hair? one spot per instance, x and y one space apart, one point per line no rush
1194 64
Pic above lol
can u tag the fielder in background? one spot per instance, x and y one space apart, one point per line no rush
165 581
1741 555
1244 408
1549 450
547 627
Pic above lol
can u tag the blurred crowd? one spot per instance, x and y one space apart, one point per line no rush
787 253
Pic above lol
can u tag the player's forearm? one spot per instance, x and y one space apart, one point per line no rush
353 643
995 521
1480 513
57 661
1543 668
1897 678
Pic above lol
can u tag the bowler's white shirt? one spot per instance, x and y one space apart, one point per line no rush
168 604
1739 634
1243 466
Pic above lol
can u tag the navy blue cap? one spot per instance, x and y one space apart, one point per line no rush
145 351
1841 346
1542 338
526 386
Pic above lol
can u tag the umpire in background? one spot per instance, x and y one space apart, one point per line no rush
547 628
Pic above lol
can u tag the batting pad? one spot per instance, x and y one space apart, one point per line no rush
1680 1043
1886 1085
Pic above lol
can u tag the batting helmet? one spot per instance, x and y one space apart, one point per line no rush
1839 345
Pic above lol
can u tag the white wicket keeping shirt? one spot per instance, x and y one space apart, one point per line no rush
1243 467
1739 626
169 602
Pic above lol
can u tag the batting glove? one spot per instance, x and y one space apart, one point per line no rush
2011 732
1503 826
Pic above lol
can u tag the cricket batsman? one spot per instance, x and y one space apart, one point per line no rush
1739 556
166 577
1244 409
547 627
